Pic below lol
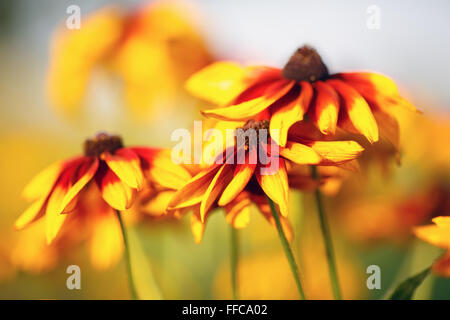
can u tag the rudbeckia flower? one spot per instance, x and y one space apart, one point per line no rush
358 102
105 179
438 235
249 170
152 49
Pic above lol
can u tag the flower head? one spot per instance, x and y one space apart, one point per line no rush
104 179
254 167
359 102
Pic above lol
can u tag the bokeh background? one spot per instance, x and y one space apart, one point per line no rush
372 214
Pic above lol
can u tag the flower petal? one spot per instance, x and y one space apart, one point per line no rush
289 112
389 127
42 184
197 226
86 172
114 191
168 174
242 175
221 179
250 108
126 165
276 187
105 243
300 153
377 88
53 217
157 204
438 234
34 212
357 110
238 211
193 191
218 83
326 108
336 152
55 206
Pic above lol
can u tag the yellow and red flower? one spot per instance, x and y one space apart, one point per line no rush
438 235
153 50
358 102
247 172
65 188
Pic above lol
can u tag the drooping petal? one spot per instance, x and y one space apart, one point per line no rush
115 192
357 110
326 108
105 243
218 83
442 221
34 212
168 174
56 204
250 108
41 184
388 126
304 130
146 155
53 217
193 191
86 172
238 211
377 88
289 111
242 175
335 152
197 226
352 165
221 179
438 234
126 165
157 204
276 186
300 153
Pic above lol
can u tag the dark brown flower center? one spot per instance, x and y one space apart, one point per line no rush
305 65
249 134
100 143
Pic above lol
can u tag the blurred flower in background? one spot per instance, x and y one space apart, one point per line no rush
152 50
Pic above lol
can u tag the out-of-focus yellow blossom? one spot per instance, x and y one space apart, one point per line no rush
152 49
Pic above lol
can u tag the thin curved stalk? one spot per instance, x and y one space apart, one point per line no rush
327 241
234 259
287 249
127 257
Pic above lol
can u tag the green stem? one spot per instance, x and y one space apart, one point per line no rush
127 257
327 240
234 258
286 248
